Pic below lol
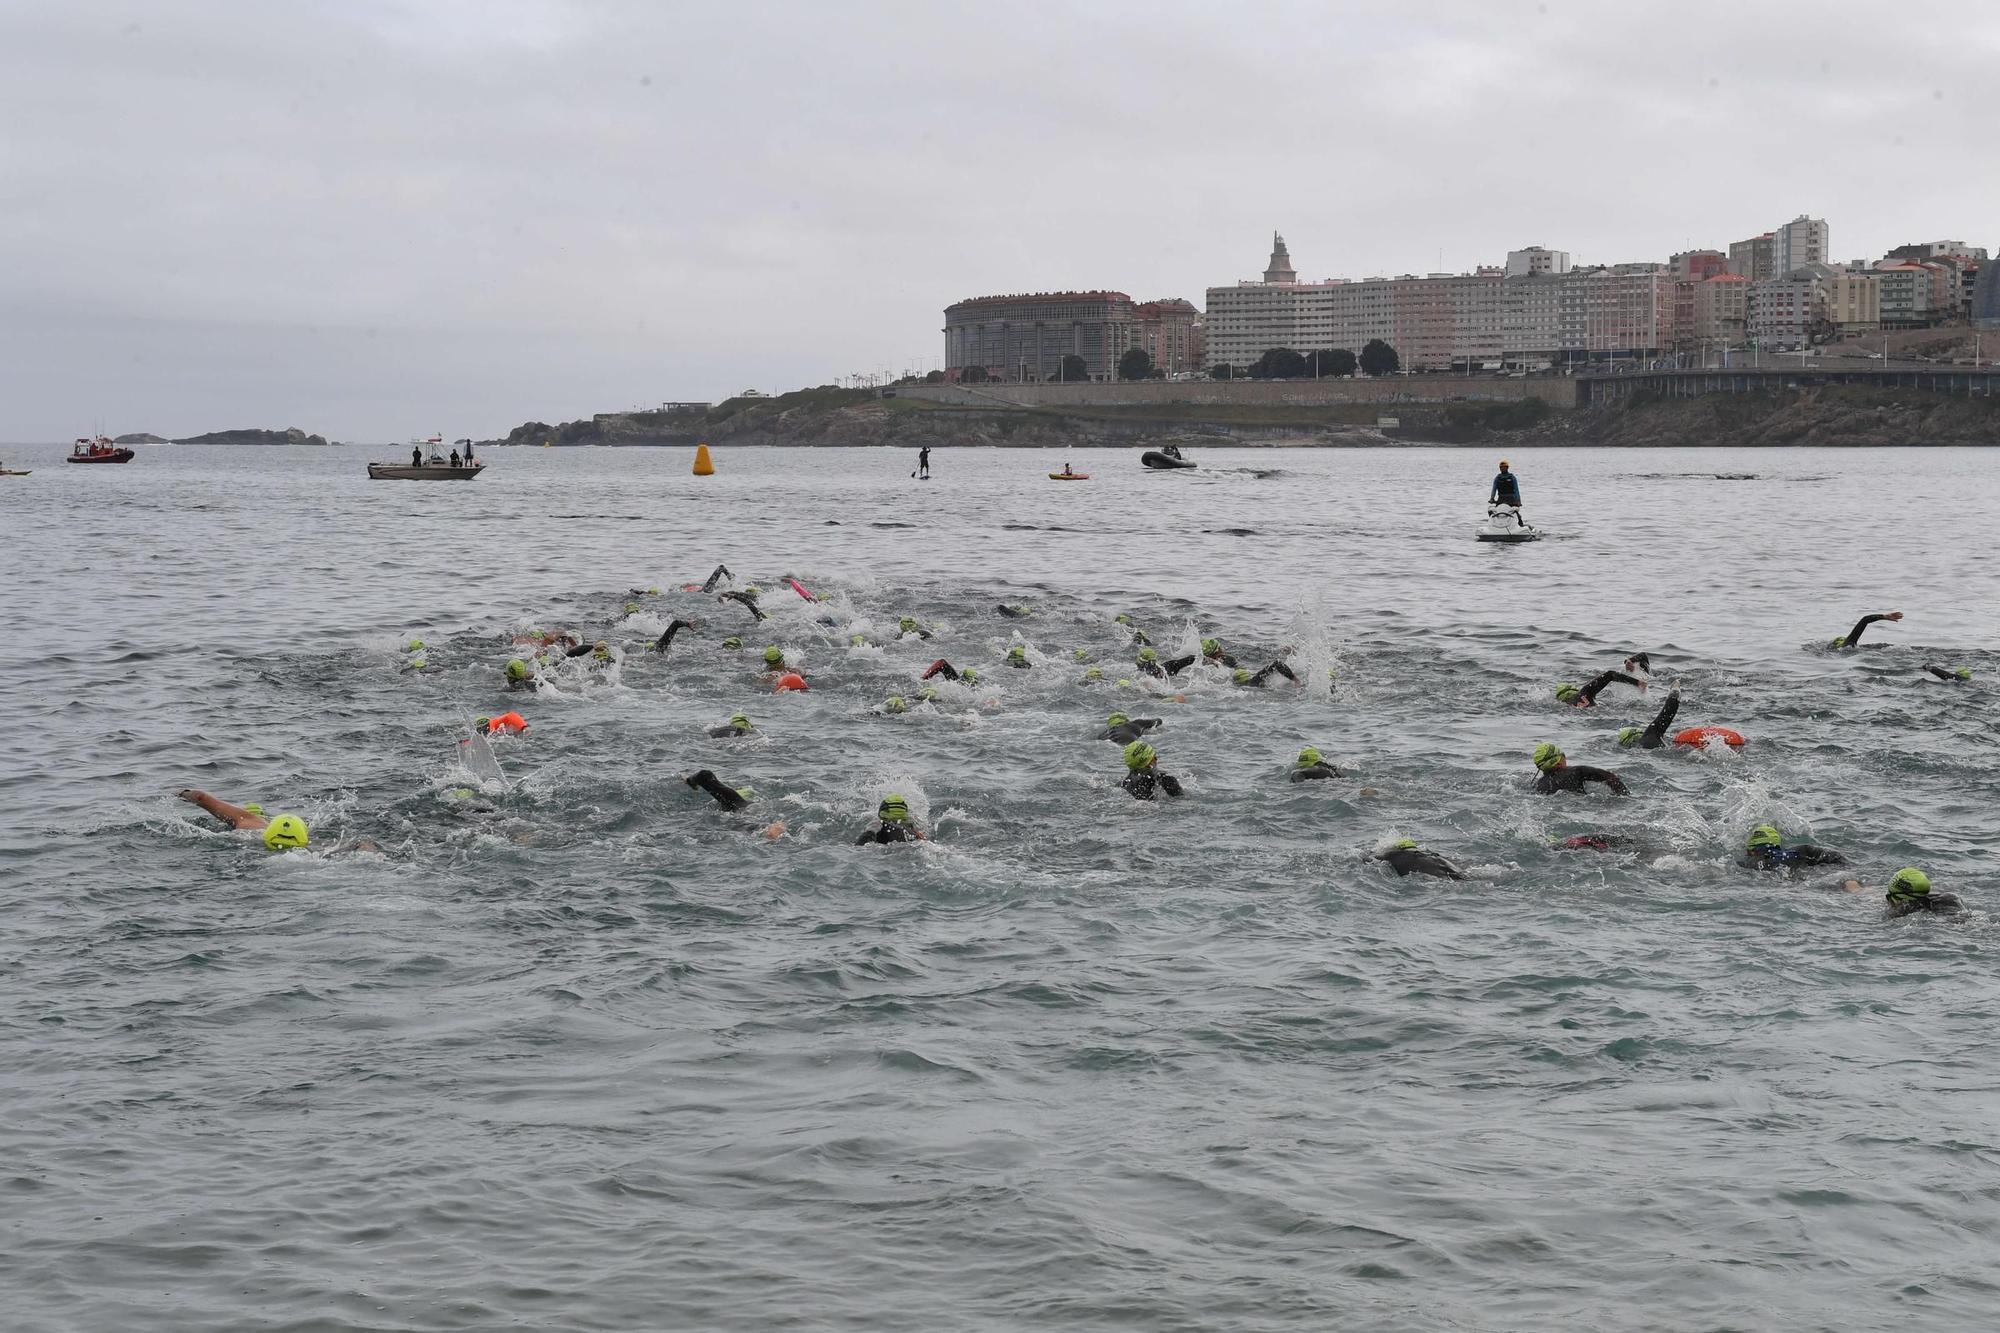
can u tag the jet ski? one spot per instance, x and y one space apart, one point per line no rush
1164 460
1505 524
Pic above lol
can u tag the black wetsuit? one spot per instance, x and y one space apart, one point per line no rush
1018 663
1127 732
1952 677
1416 861
1656 731
1276 668
729 729
744 600
1015 612
1173 666
1506 490
1643 662
924 460
1600 680
1798 856
416 457
1571 777
725 796
1854 635
1944 903
1152 668
1316 773
885 831
721 573
665 641
578 650
1143 783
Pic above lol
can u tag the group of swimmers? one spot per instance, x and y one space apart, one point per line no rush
1909 889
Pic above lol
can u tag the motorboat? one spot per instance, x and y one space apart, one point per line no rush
1505 524
99 450
432 471
1164 460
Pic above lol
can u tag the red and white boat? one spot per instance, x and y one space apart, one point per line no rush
99 450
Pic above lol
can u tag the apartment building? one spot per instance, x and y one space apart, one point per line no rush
1852 302
1799 242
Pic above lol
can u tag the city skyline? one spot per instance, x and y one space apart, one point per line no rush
389 219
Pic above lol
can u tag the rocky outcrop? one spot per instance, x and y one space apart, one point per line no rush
141 438
292 436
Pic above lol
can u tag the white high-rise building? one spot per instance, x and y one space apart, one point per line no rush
1535 259
1799 242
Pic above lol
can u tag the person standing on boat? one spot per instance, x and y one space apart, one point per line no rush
1506 491
924 461
417 455
454 456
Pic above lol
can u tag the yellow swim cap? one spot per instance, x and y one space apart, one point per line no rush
286 831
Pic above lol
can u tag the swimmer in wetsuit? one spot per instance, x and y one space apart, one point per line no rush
941 667
1017 657
737 725
908 625
1950 675
1766 850
1256 679
729 798
1125 729
666 639
1406 858
721 573
1142 776
1910 891
1853 637
519 677
1558 774
1311 768
1587 696
1016 612
1654 736
1148 661
747 599
892 824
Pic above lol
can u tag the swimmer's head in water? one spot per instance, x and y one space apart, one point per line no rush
740 722
1629 736
1122 619
732 642
517 670
928 694
1017 654
1909 882
1211 647
631 608
414 646
285 832
893 810
858 640
1093 675
478 724
1242 676
253 808
1963 673
1082 654
1403 845
652 592
1117 720
419 662
753 591
1548 757
747 793
1764 835
601 651
895 704
1149 655
1568 693
907 625
1140 755
773 655
1308 757
970 675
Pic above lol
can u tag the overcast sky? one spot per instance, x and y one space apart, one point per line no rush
381 218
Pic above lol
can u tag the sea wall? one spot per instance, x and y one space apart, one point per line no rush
1388 390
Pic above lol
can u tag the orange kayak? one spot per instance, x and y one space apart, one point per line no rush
1069 476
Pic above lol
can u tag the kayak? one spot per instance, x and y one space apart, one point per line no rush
1160 462
10 472
1069 476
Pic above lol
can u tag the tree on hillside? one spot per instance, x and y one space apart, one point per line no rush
972 375
1136 364
1330 365
1074 369
1222 370
1278 363
1378 358
934 377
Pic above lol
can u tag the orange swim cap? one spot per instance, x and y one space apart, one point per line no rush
507 722
791 680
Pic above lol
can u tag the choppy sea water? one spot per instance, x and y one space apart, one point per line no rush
584 1052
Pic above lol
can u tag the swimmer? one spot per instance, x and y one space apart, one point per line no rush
894 704
520 678
721 573
907 626
774 660
941 667
892 823
1587 696
737 725
1093 676
747 599
1766 850
1558 774
733 644
1406 858
1853 637
1654 736
1016 612
1591 842
1639 662
579 648
1148 661
1142 775
1255 679
1125 729
1311 768
600 651
281 832
1950 675
666 639
494 726
729 798
1910 891
1138 635
1017 657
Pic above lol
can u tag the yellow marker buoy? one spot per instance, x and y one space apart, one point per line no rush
704 466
